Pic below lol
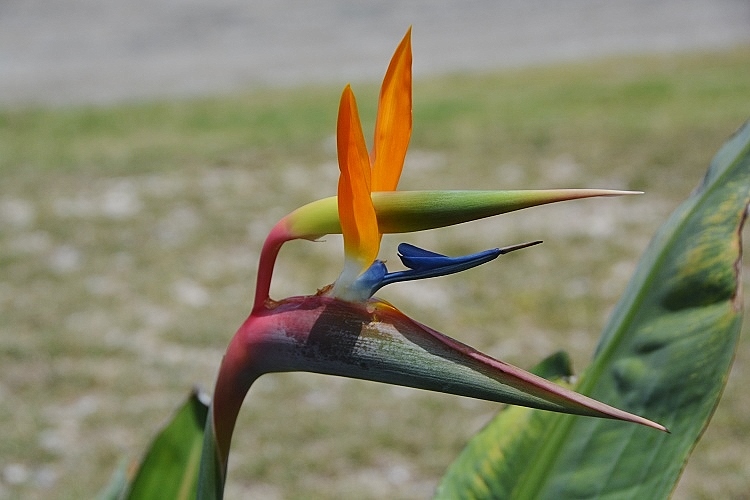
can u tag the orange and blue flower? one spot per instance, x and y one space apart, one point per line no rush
343 329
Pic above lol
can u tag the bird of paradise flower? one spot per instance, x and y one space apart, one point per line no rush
344 329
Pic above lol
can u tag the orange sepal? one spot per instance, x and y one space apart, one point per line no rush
394 121
359 223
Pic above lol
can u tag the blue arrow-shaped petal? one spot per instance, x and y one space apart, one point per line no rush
426 264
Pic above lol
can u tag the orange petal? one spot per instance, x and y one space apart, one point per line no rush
359 223
394 121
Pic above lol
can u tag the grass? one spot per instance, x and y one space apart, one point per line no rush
129 237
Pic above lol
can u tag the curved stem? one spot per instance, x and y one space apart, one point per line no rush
237 373
277 237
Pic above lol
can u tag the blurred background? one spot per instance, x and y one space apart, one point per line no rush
147 147
83 51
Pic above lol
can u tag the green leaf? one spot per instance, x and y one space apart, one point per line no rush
170 467
665 354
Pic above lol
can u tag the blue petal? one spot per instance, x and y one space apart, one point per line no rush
425 264
408 253
419 259
370 280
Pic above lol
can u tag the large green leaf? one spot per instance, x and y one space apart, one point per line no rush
665 354
170 467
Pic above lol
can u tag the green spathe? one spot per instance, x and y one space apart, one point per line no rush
409 211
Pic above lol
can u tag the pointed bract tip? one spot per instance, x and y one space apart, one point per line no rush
619 192
652 424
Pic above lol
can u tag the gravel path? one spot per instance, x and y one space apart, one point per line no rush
98 51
